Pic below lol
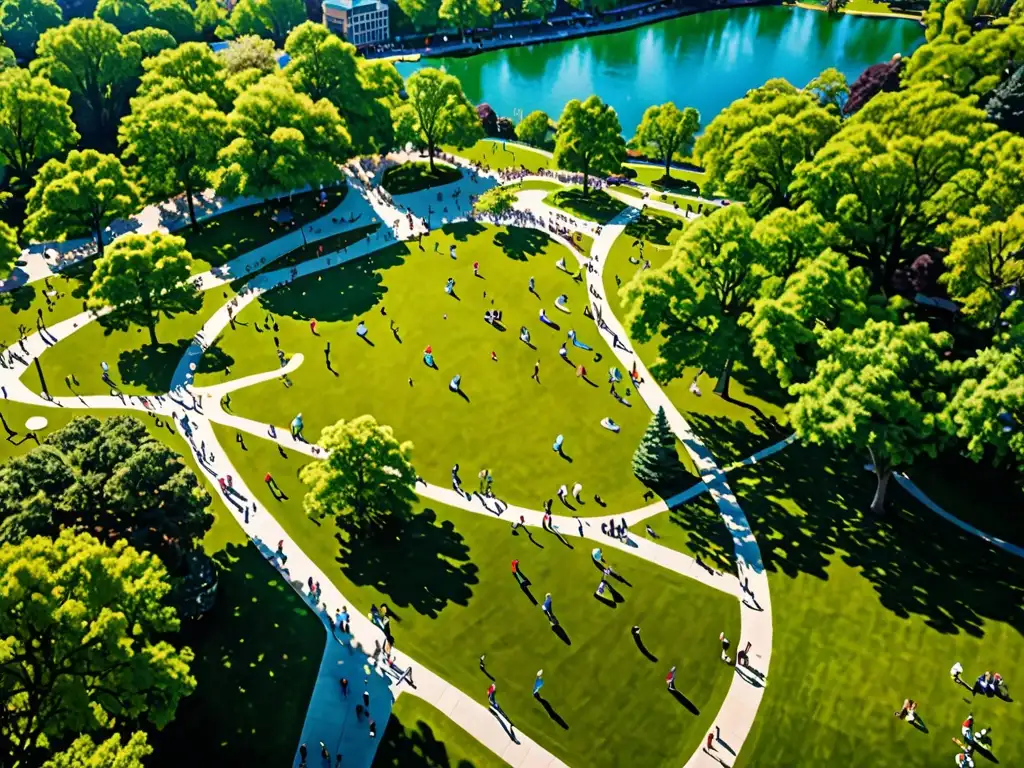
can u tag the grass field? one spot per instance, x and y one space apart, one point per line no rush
647 174
487 428
413 177
683 202
418 736
490 154
868 612
454 598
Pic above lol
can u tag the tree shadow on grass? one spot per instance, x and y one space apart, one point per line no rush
340 294
708 537
18 300
520 244
413 747
258 644
462 231
732 440
653 228
416 562
805 504
151 366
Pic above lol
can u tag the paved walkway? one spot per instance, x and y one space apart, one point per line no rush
328 718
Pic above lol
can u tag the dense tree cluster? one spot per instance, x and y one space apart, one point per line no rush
854 199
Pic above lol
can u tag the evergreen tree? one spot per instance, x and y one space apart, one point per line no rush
655 461
1006 105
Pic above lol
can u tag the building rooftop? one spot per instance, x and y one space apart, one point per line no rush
348 5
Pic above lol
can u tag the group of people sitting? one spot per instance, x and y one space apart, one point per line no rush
492 316
989 684
614 530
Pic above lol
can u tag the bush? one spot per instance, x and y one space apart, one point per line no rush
506 128
488 118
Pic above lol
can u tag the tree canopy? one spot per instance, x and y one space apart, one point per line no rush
79 195
496 201
23 21
272 19
589 139
283 140
534 129
144 276
441 112
192 68
367 478
881 389
97 64
35 122
85 753
174 140
666 130
85 648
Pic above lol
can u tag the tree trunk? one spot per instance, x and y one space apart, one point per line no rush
152 332
722 387
668 166
586 190
99 239
882 474
430 154
191 206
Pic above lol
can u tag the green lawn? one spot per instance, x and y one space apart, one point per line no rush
412 177
649 174
695 529
491 155
868 612
597 205
419 736
539 184
683 202
58 298
734 428
453 598
136 365
488 428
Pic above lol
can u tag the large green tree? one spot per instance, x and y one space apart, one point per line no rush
79 195
174 140
880 179
367 478
655 460
249 52
323 66
752 148
10 251
666 130
881 389
496 201
23 21
176 17
982 265
534 129
283 140
85 648
126 15
144 276
422 13
35 123
191 67
589 139
272 19
824 293
462 14
696 299
974 64
443 114
98 65
830 89
85 753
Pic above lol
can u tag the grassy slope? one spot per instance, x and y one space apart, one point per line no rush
412 177
869 612
490 429
454 598
597 205
490 154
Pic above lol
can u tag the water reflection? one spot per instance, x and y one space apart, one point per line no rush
705 60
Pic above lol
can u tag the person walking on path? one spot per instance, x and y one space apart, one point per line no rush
538 683
546 607
670 679
491 689
302 754
344 687
725 648
711 738
536 372
280 553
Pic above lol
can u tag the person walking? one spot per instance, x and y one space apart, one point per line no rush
536 372
670 679
302 754
546 607
711 738
491 689
344 687
280 552
538 683
955 671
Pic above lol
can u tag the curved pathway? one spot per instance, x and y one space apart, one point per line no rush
744 694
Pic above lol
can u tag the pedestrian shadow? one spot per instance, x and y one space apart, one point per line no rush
750 675
643 649
681 698
525 586
605 600
533 540
552 713
561 634
505 723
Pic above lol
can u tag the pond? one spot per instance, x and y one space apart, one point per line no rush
706 61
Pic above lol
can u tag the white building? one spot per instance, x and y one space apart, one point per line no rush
361 22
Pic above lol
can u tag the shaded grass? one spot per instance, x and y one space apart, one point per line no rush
651 175
682 202
327 245
137 366
695 529
752 418
508 423
490 154
539 184
58 298
868 612
454 598
596 205
420 736
412 177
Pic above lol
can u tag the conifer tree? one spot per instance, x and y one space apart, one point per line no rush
655 461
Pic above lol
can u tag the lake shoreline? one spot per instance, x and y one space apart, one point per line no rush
666 12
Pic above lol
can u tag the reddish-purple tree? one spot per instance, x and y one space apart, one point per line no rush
874 80
488 118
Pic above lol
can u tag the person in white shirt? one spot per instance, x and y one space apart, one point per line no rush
955 671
